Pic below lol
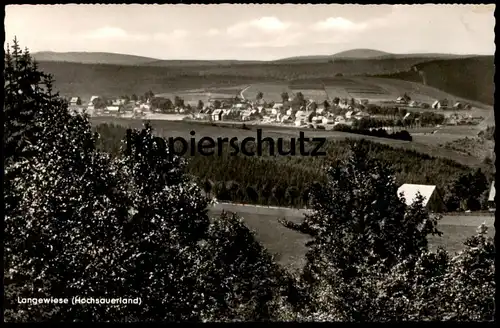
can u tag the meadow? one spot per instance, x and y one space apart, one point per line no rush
288 246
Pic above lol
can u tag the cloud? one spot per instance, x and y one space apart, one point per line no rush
263 24
213 32
117 33
107 32
338 23
281 41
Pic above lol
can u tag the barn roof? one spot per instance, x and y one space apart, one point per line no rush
410 192
491 197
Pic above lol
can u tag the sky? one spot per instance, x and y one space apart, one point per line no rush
252 32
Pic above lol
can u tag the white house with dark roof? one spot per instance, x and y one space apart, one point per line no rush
75 101
491 197
432 198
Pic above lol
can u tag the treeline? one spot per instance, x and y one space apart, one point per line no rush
364 129
286 180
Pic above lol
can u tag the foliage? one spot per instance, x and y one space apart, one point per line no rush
298 171
361 128
368 258
80 223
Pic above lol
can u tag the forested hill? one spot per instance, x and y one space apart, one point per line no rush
470 78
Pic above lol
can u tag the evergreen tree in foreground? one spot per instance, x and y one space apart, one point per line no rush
79 223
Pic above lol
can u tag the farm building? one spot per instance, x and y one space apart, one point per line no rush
401 100
75 101
432 198
440 104
217 115
349 114
491 197
458 105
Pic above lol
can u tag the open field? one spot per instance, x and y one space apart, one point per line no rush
271 91
86 80
193 96
423 144
289 246
375 90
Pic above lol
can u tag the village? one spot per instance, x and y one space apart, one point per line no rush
295 111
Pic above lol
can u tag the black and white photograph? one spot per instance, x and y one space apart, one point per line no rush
249 163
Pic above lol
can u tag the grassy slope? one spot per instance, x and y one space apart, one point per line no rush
289 245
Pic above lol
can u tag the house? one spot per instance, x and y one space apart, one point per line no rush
299 122
360 115
407 116
217 115
340 119
436 104
458 105
286 119
289 112
91 101
321 109
118 102
467 107
278 106
75 101
145 107
328 120
344 105
240 106
317 119
114 109
401 100
440 104
491 197
349 114
432 198
363 101
413 103
300 114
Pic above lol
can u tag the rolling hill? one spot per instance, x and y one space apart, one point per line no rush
369 54
128 60
92 58
469 78
131 60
